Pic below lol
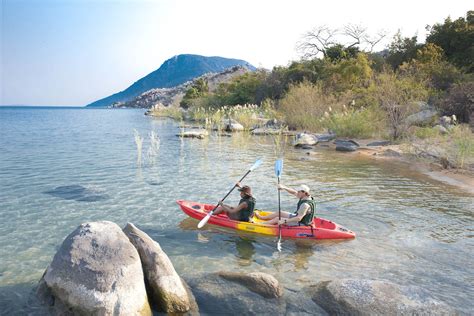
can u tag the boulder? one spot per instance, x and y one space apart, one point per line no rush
231 125
325 137
422 118
197 133
261 283
305 139
367 297
96 271
391 153
379 143
346 145
167 289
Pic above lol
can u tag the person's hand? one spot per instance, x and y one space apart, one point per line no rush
220 203
281 187
238 185
282 221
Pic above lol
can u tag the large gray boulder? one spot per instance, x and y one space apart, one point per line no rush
367 297
422 118
167 289
96 271
231 125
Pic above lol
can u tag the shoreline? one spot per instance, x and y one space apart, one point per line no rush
393 153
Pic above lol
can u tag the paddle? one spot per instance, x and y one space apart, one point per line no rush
278 171
205 219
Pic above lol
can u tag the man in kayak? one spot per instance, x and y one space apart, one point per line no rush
303 215
242 212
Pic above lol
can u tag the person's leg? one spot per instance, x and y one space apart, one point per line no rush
273 215
218 210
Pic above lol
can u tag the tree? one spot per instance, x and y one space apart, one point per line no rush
402 49
456 38
351 38
459 101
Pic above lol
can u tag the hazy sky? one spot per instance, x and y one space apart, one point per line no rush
73 52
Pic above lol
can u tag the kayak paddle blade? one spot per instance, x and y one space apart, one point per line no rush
279 245
279 167
256 165
204 220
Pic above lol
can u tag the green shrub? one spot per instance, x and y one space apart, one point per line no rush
363 123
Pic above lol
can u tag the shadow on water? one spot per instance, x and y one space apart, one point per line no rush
78 193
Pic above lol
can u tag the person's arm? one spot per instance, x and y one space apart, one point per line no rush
301 213
287 189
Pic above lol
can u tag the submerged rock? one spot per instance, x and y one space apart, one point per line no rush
167 289
367 297
96 271
231 293
261 283
78 193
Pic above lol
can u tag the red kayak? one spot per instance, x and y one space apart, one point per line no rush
321 228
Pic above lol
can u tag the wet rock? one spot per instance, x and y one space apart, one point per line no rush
198 133
346 145
379 143
274 124
258 282
325 137
167 290
96 271
367 297
305 139
422 118
78 193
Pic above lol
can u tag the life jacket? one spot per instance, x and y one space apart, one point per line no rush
309 216
246 213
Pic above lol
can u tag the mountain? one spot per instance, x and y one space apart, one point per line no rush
174 95
173 72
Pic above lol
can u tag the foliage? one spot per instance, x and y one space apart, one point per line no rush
459 101
456 38
402 50
199 89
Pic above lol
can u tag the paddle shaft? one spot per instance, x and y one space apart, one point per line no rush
279 212
215 208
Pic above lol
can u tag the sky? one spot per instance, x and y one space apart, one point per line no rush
73 52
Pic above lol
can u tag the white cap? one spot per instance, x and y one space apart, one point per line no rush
304 188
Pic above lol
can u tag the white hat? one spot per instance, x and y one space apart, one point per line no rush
304 188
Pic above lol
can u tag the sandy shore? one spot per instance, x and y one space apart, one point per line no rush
395 153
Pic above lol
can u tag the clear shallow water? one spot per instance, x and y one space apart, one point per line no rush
62 167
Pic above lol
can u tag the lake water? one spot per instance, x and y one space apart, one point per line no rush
63 167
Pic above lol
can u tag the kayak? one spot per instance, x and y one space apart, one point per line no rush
321 228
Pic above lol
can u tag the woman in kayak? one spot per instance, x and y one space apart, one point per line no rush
242 212
303 215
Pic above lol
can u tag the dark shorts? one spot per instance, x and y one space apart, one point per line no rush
236 217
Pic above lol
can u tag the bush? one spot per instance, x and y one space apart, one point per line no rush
459 101
305 105
363 123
